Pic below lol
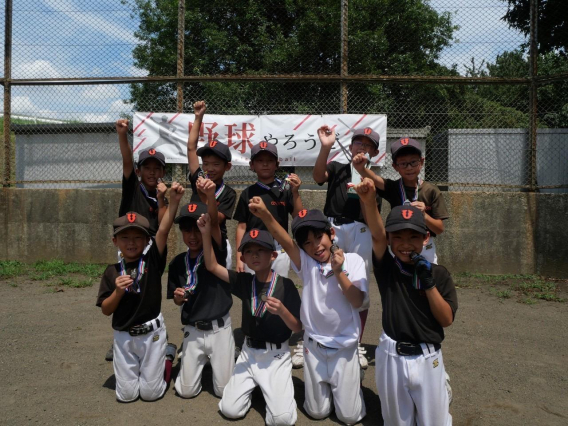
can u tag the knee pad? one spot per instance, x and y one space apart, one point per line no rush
151 391
187 391
127 391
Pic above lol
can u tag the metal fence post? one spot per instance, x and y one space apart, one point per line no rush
533 94
344 54
7 93
177 172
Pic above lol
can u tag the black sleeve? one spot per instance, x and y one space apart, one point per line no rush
105 288
227 202
331 170
175 277
129 188
161 260
237 281
446 287
220 252
292 299
387 193
290 202
192 178
242 210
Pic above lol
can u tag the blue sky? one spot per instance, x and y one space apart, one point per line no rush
85 38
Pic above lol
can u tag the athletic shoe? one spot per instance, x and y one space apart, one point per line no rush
171 351
449 388
298 356
110 354
362 358
237 352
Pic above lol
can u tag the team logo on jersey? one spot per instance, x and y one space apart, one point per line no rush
212 143
404 141
263 145
368 130
191 208
186 335
303 213
253 233
363 230
435 363
152 151
407 214
131 217
156 338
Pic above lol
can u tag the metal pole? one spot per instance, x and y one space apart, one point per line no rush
533 96
177 172
344 54
7 93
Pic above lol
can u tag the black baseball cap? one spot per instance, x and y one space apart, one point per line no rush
406 217
258 236
151 153
368 133
131 220
312 218
216 148
191 211
262 147
406 145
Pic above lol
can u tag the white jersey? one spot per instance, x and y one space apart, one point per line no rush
326 314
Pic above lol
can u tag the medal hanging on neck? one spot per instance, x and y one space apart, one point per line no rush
153 201
402 191
192 280
136 274
415 279
258 307
284 184
264 186
219 191
322 266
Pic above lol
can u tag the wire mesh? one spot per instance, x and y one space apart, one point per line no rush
477 136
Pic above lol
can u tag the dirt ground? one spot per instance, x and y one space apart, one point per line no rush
507 361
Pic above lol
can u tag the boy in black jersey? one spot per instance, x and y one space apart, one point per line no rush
279 200
131 291
205 302
418 300
216 158
270 313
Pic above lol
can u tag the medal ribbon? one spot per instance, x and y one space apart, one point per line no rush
135 286
268 188
403 192
330 273
220 190
152 200
257 306
192 279
415 279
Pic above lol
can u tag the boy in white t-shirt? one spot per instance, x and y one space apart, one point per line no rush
335 286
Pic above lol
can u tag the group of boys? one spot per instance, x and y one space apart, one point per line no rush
332 253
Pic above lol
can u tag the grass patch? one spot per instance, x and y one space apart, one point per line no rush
11 268
75 283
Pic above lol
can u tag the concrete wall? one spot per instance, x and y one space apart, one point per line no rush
492 233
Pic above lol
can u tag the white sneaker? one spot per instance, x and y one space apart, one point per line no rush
298 356
449 388
362 358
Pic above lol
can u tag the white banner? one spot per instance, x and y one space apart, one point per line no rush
295 136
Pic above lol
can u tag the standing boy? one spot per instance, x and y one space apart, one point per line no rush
335 287
131 291
216 158
270 313
280 201
407 160
205 301
418 299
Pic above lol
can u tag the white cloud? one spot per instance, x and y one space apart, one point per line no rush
101 91
38 69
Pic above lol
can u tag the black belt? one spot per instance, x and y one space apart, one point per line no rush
409 349
139 330
320 345
342 220
260 344
207 325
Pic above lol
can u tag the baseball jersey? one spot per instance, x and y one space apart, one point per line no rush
326 314
270 327
212 297
135 200
428 193
406 312
136 308
337 203
225 199
279 203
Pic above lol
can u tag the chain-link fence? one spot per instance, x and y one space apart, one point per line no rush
475 81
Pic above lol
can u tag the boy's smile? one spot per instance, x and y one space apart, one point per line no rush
131 243
192 238
215 167
404 167
406 241
265 166
318 246
150 171
257 257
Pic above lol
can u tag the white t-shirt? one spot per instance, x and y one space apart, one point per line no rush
326 314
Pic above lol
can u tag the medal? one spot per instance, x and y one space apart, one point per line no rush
334 247
258 307
263 297
133 274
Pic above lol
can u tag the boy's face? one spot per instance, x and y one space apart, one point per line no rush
191 236
257 257
131 242
264 165
318 245
150 171
406 241
363 145
215 167
408 166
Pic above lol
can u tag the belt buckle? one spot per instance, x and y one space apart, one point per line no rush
400 346
137 330
200 325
